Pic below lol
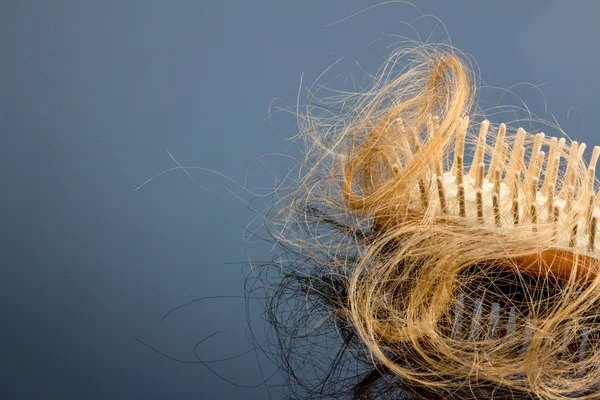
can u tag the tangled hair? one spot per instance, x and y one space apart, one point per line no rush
404 277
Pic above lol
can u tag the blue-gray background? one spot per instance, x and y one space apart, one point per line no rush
91 95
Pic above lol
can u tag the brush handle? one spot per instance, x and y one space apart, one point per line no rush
557 264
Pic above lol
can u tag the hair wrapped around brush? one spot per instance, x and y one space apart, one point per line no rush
447 257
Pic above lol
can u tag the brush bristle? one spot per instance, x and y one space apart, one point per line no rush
520 191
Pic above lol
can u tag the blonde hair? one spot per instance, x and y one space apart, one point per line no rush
440 279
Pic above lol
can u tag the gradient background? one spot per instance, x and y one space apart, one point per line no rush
91 95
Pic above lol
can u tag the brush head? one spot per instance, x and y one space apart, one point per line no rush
524 186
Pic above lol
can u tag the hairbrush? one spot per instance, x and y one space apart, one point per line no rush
454 258
560 210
